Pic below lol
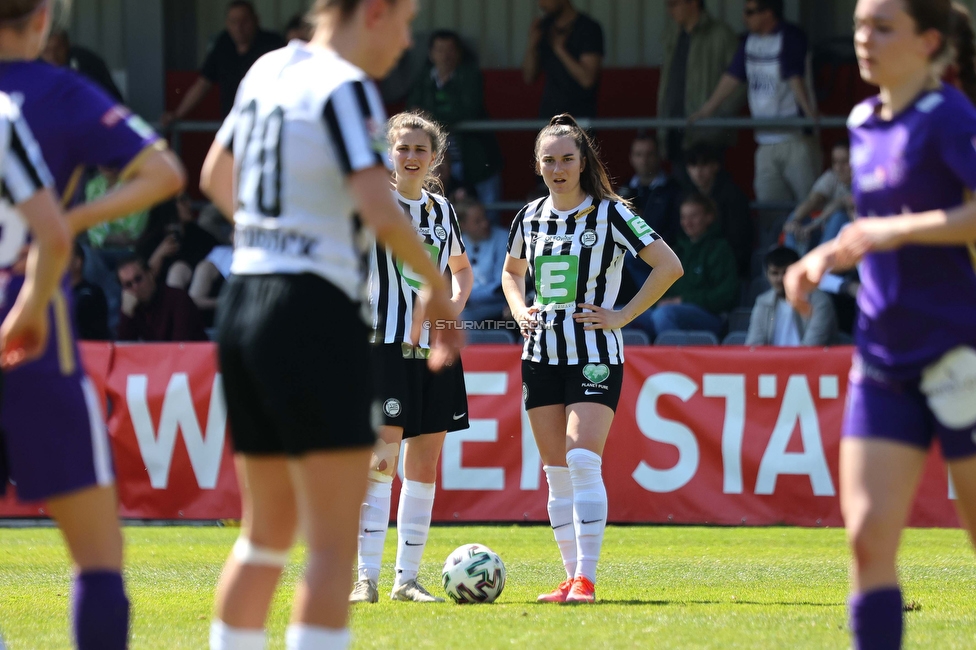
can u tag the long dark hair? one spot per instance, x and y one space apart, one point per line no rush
594 179
964 49
932 14
438 142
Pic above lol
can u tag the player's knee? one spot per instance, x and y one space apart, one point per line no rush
871 536
383 462
249 553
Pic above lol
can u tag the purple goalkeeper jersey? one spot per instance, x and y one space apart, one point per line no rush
918 302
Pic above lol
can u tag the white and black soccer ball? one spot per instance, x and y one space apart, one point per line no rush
474 574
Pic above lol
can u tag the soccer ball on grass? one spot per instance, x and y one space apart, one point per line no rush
473 574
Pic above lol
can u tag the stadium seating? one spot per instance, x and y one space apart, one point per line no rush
686 337
735 338
739 319
635 337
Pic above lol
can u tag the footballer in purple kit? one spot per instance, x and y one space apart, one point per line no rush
54 435
913 378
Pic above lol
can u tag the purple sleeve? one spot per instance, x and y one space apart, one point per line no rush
793 56
738 66
957 143
105 133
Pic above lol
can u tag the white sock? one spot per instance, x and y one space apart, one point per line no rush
311 637
413 526
560 509
374 519
589 509
225 637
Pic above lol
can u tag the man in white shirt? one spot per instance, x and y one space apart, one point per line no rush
775 322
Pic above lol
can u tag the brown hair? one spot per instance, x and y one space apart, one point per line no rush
964 49
594 179
932 14
420 121
13 13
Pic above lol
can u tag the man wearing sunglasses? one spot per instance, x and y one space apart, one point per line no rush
154 313
772 60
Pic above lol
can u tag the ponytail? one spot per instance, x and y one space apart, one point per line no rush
964 49
594 179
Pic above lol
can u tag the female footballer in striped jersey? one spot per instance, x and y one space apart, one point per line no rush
306 145
572 245
57 443
419 406
913 378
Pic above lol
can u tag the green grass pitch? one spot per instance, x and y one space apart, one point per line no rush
660 587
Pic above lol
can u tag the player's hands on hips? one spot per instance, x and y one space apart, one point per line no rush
23 335
598 318
527 319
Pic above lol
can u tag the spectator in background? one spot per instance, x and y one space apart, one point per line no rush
298 29
452 91
230 57
486 246
60 52
698 49
831 197
703 164
653 193
173 243
655 197
772 61
567 47
152 313
91 308
710 285
775 322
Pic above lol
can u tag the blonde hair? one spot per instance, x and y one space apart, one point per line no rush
594 179
418 120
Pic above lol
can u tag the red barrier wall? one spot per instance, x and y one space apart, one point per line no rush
702 435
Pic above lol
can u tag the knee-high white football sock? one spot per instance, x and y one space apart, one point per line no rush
589 509
413 526
312 637
560 507
374 519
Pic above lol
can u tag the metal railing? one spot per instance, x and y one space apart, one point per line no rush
177 129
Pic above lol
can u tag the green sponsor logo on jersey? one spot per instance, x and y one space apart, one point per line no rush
555 280
410 276
596 372
639 226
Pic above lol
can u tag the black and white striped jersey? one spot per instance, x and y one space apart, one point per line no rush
393 285
575 257
304 119
23 173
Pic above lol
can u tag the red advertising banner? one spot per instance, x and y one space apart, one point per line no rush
726 436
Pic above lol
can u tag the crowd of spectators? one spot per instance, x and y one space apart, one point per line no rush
155 276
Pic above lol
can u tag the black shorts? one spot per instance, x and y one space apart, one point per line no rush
415 398
294 354
546 385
